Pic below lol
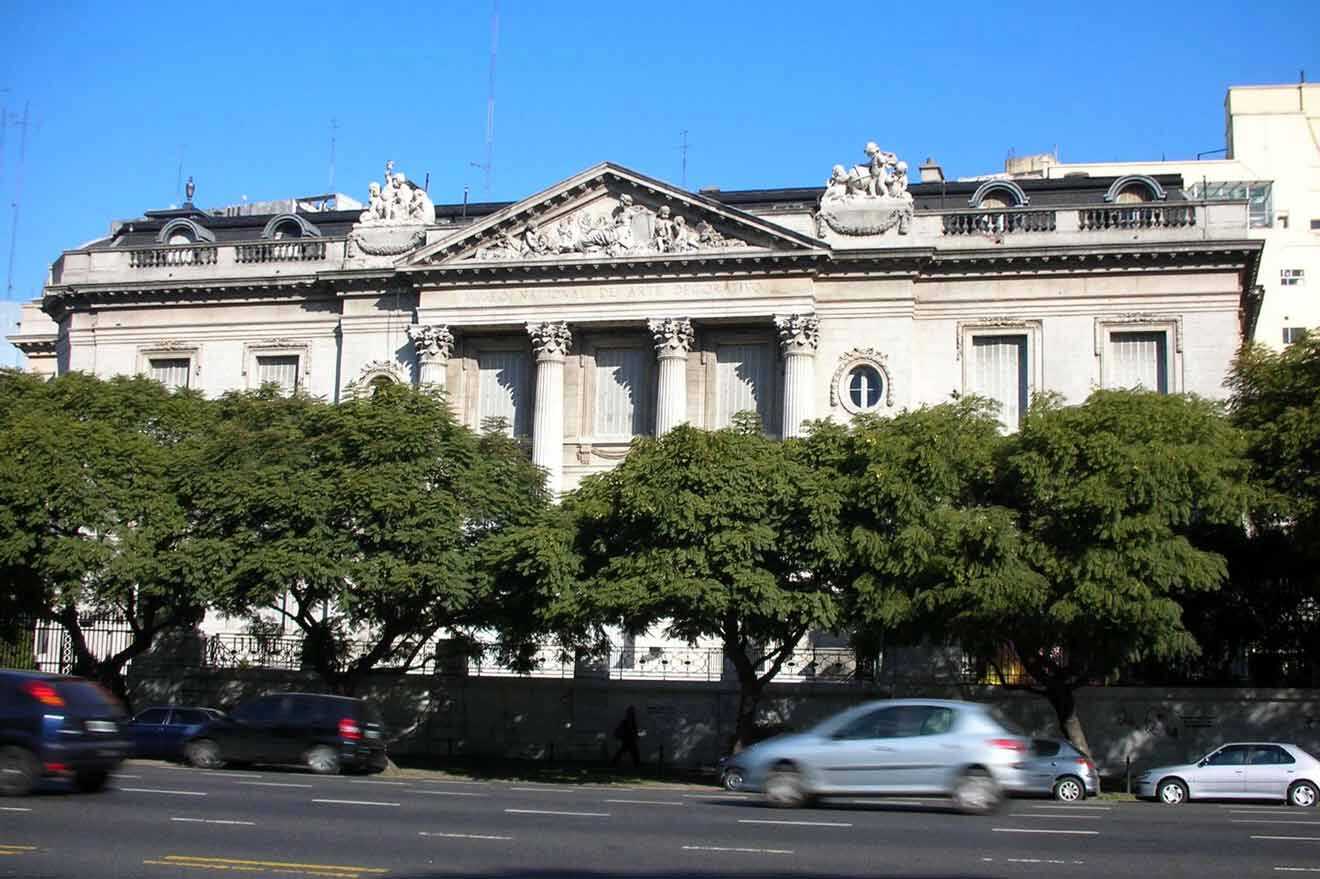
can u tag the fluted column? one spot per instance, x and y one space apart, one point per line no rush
550 341
799 335
433 343
673 340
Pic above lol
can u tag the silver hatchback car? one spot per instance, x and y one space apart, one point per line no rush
895 747
1238 771
1056 768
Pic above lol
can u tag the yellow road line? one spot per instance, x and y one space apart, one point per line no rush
238 869
284 864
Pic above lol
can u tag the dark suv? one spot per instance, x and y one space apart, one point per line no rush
328 734
59 726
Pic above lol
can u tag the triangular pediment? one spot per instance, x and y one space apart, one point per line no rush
609 212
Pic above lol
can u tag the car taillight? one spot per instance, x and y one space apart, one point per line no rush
44 693
1007 744
1083 761
348 729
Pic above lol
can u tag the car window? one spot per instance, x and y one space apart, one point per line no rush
189 716
932 720
310 709
152 716
85 697
879 724
1233 755
260 712
1044 748
1270 755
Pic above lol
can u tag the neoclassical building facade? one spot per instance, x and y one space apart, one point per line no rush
612 305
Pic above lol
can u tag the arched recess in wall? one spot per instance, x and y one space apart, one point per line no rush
999 194
1135 188
289 226
182 230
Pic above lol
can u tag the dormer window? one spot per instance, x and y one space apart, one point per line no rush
288 226
1136 194
287 229
181 236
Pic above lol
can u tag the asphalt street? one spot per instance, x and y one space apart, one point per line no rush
161 821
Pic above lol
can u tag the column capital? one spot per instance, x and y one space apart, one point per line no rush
798 333
550 339
673 336
432 341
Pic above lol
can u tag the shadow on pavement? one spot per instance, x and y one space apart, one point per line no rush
679 874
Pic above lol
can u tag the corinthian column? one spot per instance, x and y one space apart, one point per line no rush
798 337
433 343
551 342
673 341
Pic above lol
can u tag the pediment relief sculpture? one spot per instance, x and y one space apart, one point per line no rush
398 212
866 199
625 228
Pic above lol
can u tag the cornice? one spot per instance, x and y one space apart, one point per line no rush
1165 256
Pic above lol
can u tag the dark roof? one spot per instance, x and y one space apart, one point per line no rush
950 195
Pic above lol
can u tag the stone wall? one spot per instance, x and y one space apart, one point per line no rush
690 724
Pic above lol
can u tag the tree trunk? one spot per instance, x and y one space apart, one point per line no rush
1063 701
749 698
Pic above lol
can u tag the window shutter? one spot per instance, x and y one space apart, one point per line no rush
743 382
999 371
503 389
172 372
281 370
622 392
1139 360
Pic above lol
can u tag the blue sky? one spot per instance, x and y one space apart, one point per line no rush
771 94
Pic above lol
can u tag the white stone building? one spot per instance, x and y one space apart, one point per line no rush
1272 158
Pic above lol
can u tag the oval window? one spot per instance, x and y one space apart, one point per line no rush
864 386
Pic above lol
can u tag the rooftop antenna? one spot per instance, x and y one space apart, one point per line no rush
18 198
489 166
334 127
683 149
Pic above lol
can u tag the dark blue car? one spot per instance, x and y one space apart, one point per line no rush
160 731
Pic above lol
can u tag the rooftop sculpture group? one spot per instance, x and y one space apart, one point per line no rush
398 212
867 199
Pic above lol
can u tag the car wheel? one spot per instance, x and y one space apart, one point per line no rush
204 754
323 760
976 793
784 788
1171 792
1069 789
91 782
731 780
1302 794
19 771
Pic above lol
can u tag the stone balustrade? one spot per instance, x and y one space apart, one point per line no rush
176 255
296 250
998 222
1137 216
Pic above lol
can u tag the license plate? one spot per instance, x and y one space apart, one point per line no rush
102 726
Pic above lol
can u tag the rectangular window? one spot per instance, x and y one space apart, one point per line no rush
1292 334
1292 277
999 371
623 379
1139 360
742 382
279 369
504 389
172 372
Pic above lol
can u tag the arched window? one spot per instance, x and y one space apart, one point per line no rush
998 195
286 226
182 230
862 382
1135 189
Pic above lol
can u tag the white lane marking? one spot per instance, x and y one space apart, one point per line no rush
1256 821
1041 830
14 809
119 775
464 835
273 784
547 790
1293 838
444 793
746 851
372 781
156 790
214 821
718 796
1069 807
1262 811
1057 815
1038 861
354 803
648 802
795 823
444 781
550 812
1297 869
236 774
887 801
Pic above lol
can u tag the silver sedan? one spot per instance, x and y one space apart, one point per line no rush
1238 771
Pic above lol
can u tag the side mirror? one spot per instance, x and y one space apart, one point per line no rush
1205 762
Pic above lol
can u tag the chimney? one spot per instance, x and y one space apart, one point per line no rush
931 172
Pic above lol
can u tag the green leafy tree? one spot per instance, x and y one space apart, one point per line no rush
1274 596
92 521
726 535
370 515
